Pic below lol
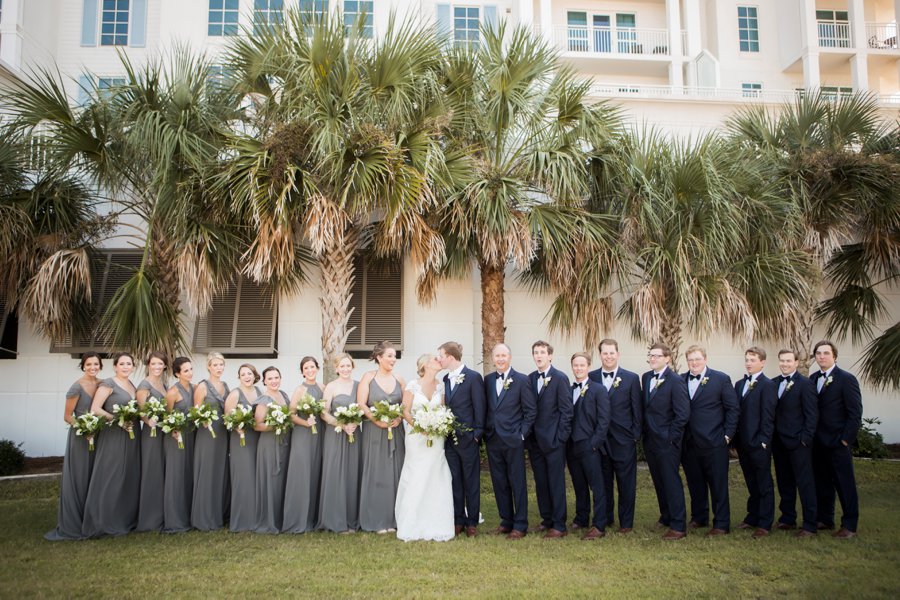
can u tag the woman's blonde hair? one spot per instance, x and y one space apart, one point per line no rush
339 357
423 360
214 356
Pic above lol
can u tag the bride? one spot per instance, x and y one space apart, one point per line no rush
424 507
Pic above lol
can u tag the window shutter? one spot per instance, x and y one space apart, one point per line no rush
84 89
377 304
490 15
242 321
442 22
89 20
138 37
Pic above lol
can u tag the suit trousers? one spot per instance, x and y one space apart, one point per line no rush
507 466
464 461
662 459
580 485
593 469
549 468
833 469
756 464
794 474
620 465
706 471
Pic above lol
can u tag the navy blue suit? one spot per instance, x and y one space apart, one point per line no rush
620 459
547 445
667 410
796 417
840 417
510 417
714 415
588 441
756 428
466 400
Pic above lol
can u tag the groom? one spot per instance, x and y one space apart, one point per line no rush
464 395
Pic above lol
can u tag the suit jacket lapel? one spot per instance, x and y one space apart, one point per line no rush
506 382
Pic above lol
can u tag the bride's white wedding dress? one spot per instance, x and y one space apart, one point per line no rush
424 507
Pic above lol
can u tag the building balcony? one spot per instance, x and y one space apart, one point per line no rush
613 42
881 36
834 33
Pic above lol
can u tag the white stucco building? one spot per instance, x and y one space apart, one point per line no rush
682 65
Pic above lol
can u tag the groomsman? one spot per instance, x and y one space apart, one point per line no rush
589 431
667 409
754 441
547 443
626 414
796 418
713 420
840 417
464 395
511 410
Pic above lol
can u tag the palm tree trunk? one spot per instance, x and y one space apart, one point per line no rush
336 265
164 259
671 336
492 312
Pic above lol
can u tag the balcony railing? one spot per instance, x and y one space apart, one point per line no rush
834 34
881 36
612 40
626 90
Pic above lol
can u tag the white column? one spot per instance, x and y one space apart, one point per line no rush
676 66
693 28
811 76
11 33
859 72
857 15
809 44
546 21
525 10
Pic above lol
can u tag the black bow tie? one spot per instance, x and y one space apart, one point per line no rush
697 377
543 376
576 385
605 374
501 375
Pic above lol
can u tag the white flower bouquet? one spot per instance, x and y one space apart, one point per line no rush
240 418
348 415
203 416
153 410
87 425
386 412
435 422
278 418
308 407
175 422
124 415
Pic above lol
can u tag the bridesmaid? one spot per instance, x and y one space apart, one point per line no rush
382 459
271 458
242 460
76 472
301 507
111 507
179 482
339 498
153 469
211 494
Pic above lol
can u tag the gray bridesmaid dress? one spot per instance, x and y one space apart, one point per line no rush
242 464
179 479
272 455
211 467
153 469
76 475
301 495
382 462
339 496
111 507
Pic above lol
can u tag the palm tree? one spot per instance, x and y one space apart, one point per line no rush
834 163
339 151
514 189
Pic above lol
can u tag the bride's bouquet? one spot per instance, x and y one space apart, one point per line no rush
278 418
348 415
124 415
386 412
203 416
153 410
435 422
175 421
87 425
240 417
308 407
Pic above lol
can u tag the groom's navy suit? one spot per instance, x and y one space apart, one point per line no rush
667 410
796 417
620 458
466 400
588 442
510 417
547 445
756 428
840 417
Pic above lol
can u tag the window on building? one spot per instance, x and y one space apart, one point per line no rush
114 23
104 84
356 9
748 28
833 92
751 90
110 270
466 25
377 304
267 13
242 321
834 28
223 17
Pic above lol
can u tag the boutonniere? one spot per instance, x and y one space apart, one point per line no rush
460 378
583 390
828 381
659 382
547 380
752 384
789 385
507 383
617 381
704 381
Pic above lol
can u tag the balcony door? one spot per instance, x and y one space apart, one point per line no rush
594 32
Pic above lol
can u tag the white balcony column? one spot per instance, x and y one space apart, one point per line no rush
676 66
546 21
693 27
11 33
859 72
525 13
809 28
811 77
857 15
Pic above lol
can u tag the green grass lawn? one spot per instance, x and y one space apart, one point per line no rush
368 565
